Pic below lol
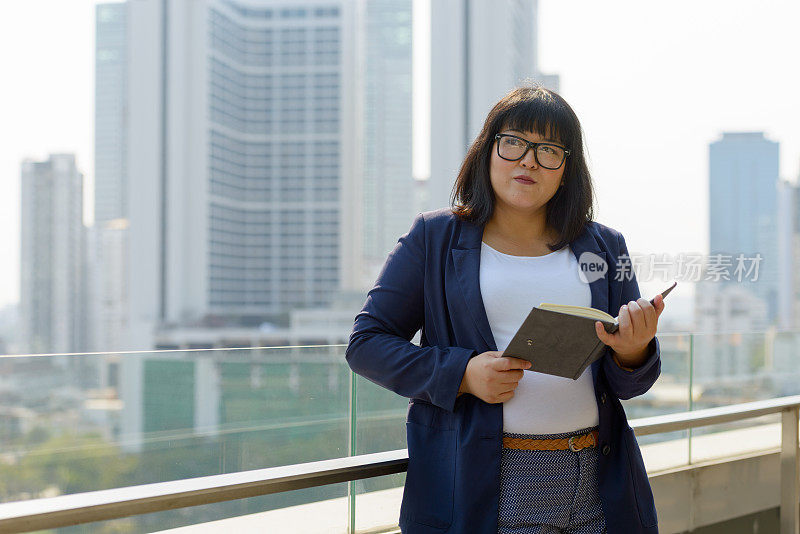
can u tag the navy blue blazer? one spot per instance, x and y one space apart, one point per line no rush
430 282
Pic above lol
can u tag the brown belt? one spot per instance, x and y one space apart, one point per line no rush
574 444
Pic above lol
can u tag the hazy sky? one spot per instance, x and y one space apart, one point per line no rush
652 82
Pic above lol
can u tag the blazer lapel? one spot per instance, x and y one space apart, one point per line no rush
467 262
586 243
600 287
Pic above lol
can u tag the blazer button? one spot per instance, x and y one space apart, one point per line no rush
606 450
603 398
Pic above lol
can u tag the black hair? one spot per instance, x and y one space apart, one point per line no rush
536 109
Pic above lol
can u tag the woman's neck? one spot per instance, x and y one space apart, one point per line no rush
518 233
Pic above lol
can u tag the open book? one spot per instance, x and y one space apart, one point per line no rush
611 324
560 340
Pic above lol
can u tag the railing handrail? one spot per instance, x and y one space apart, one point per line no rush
674 333
712 416
65 510
167 351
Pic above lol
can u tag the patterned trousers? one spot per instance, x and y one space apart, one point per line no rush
549 492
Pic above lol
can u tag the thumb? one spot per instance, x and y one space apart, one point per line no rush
604 336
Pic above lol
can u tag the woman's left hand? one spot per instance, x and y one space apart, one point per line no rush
638 321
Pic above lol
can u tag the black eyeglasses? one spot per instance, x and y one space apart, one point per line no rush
547 155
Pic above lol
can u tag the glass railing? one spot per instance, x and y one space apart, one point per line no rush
706 370
89 422
77 423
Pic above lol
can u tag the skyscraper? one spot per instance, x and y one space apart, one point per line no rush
52 257
108 264
110 106
479 52
794 255
269 155
108 237
743 182
786 272
388 184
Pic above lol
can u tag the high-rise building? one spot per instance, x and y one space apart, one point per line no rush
388 184
108 257
743 188
52 292
242 161
786 219
108 285
479 52
794 210
110 112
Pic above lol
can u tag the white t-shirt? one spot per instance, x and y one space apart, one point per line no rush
510 287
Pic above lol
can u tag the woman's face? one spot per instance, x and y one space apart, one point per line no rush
523 185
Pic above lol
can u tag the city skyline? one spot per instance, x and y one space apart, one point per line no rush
251 163
41 133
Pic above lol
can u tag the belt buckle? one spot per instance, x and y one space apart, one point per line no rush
572 446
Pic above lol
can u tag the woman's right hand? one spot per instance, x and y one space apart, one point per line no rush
492 377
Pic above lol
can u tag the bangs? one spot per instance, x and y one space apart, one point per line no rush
543 115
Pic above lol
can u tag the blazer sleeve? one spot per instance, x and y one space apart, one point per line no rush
380 348
627 384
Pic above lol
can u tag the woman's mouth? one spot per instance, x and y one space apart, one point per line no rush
525 180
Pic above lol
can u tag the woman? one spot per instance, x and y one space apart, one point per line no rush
492 448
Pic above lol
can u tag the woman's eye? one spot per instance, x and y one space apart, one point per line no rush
513 142
547 149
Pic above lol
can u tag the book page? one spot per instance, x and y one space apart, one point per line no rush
580 311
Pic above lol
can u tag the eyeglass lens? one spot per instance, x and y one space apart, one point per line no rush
548 156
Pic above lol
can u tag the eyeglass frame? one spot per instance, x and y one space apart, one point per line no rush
532 145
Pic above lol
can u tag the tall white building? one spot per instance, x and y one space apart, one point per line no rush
110 103
242 159
794 257
109 255
108 285
388 185
786 254
52 256
479 51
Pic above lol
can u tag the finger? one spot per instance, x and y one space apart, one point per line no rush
624 322
510 377
637 317
650 317
500 364
505 396
510 362
658 304
508 385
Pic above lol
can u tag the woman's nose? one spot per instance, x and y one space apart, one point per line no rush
529 160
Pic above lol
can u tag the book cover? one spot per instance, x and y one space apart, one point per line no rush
556 343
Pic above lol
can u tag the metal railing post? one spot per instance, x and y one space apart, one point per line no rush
351 486
790 472
691 395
